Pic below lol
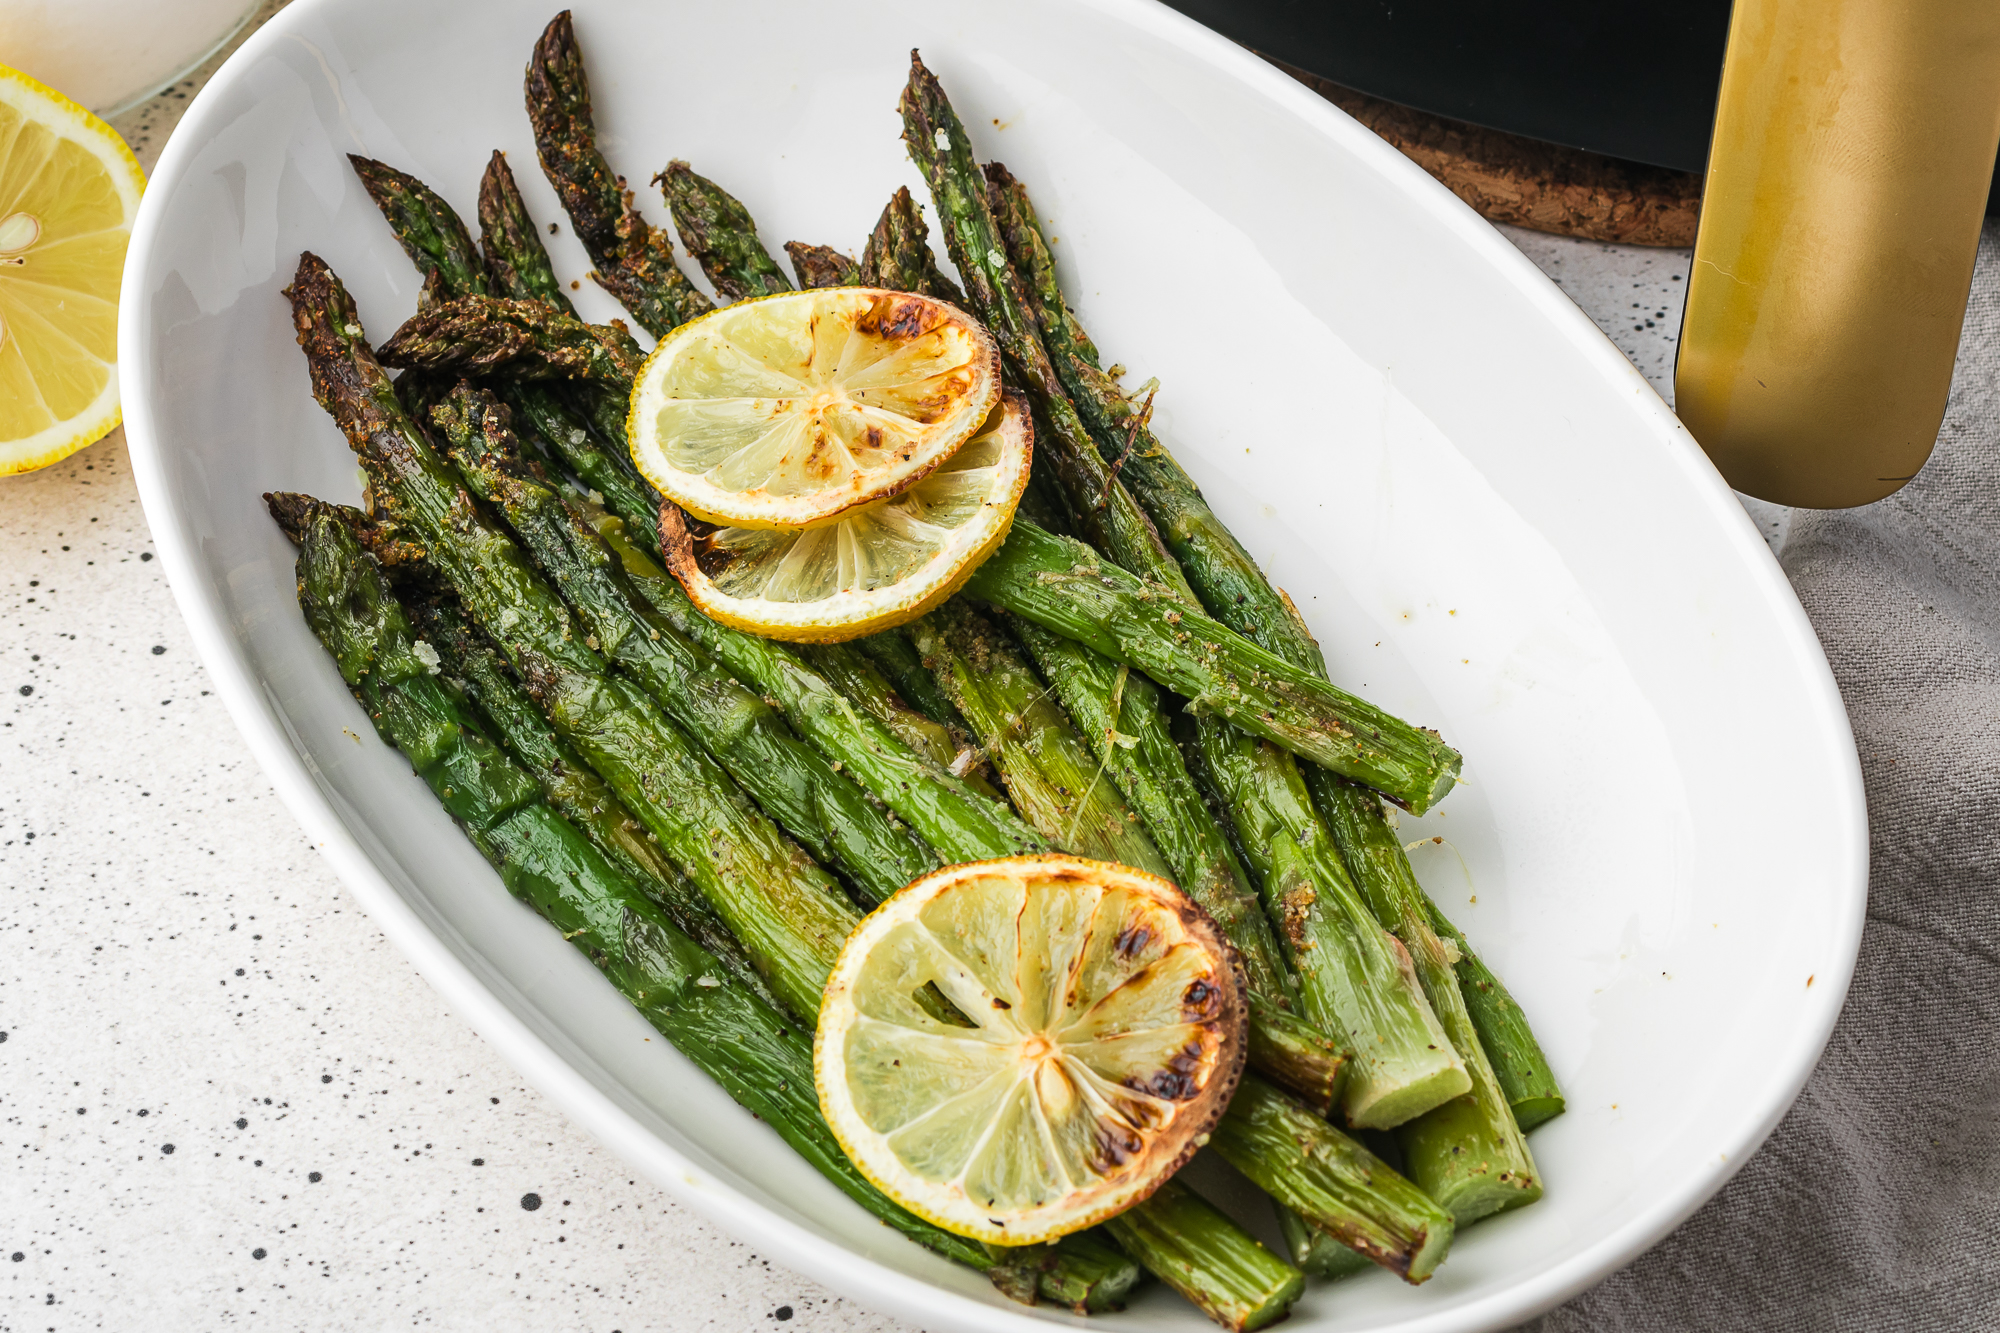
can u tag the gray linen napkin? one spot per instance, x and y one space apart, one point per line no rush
1875 1206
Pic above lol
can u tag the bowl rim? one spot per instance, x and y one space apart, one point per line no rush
826 1260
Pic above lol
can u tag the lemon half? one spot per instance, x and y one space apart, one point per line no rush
1107 1033
786 410
875 566
69 189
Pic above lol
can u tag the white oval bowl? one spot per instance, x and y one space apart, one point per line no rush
1491 521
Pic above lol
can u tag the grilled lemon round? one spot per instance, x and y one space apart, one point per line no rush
1099 1032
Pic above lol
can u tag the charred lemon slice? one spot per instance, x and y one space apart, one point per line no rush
1095 1034
880 565
789 410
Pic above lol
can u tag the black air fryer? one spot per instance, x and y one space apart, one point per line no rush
1626 80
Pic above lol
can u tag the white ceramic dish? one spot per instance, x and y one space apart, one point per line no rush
1489 518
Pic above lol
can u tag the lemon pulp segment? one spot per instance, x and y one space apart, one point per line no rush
1106 1033
789 409
69 188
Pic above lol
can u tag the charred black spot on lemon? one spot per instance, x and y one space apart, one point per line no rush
1113 1030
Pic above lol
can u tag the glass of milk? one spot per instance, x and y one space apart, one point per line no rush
112 54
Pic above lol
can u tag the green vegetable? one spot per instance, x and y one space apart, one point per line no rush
1468 1154
1332 1182
1063 585
1518 1063
1188 1244
635 260
429 230
897 658
822 266
531 340
789 915
937 143
760 1057
517 262
946 813
1053 779
825 811
1118 713
1316 1253
1354 976
898 255
855 675
718 232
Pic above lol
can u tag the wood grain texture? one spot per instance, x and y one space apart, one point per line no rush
1527 182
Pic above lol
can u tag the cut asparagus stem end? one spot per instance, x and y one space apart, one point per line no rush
1354 977
1518 1062
1531 1112
1468 1154
1286 1048
1065 586
1316 1253
1333 1182
1187 1242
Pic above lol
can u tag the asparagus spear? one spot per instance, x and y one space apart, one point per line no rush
1235 591
717 230
483 335
822 266
1468 1154
575 791
903 666
1118 713
1062 585
1334 1183
1354 976
471 667
1316 1253
540 408
635 260
517 263
515 266
571 787
825 811
898 255
855 675
1525 1077
429 230
1204 1256
789 915
938 144
1055 782
759 1057
945 812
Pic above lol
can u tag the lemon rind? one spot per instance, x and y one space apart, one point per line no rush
1165 1157
31 96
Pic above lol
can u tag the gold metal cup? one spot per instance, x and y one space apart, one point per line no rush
1847 181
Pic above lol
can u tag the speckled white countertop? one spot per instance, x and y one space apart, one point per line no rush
224 1099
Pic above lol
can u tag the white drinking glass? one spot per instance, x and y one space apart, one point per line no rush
111 54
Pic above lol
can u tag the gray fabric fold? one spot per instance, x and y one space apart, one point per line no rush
1875 1206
